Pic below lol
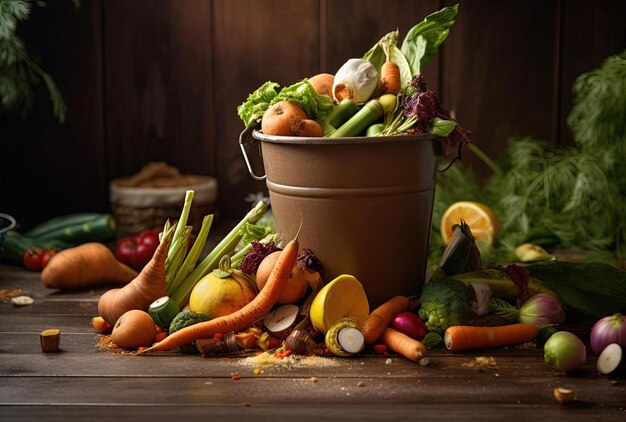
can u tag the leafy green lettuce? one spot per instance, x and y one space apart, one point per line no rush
304 95
255 105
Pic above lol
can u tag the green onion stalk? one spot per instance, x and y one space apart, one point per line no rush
211 261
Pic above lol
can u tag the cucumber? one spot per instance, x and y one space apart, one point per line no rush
60 223
98 229
163 311
15 244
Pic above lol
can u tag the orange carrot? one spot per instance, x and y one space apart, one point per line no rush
84 266
281 119
244 317
381 317
390 78
307 127
403 344
147 287
465 337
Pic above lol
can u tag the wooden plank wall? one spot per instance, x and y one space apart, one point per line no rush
160 80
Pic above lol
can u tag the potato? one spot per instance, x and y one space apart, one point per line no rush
134 329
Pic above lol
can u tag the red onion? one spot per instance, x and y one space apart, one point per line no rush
541 309
610 329
410 324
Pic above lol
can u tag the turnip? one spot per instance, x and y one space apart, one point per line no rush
564 351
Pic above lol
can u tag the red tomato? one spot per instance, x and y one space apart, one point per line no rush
150 239
46 257
141 256
32 260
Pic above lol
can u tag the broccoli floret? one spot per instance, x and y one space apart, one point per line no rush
185 319
444 303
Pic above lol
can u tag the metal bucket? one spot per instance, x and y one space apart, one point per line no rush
365 204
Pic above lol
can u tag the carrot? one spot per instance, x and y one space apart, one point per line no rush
244 317
381 317
465 337
281 119
389 72
144 289
403 344
84 266
307 127
323 83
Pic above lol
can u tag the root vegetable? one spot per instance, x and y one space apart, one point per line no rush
281 119
323 83
404 345
307 127
84 266
144 289
465 337
296 286
382 316
610 359
246 316
134 329
564 351
357 79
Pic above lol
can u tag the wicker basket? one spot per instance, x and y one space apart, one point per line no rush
139 208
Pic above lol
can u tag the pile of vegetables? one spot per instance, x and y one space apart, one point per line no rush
380 94
35 247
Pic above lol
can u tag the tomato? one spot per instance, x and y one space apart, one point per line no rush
46 257
32 260
137 250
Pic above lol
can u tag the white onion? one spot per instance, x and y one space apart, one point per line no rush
359 77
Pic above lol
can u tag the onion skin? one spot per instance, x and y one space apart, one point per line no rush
410 324
564 351
607 330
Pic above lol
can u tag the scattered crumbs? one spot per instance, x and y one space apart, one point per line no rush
360 384
424 362
614 382
291 361
313 379
257 371
234 373
496 374
105 343
343 388
208 383
388 362
482 362
235 377
532 344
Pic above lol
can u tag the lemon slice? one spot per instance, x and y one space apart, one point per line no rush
344 297
479 217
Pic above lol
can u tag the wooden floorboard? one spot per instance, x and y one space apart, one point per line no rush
85 382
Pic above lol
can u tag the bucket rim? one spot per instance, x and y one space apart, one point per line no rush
341 141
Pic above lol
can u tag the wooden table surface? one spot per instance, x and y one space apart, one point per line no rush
82 381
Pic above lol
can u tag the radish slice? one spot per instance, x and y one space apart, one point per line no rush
610 359
280 321
351 339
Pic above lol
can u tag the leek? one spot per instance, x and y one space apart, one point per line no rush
211 261
371 112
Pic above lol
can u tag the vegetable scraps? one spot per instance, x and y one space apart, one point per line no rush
385 70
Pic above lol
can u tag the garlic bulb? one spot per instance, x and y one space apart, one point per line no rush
357 80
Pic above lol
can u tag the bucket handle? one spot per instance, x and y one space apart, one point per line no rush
244 138
458 157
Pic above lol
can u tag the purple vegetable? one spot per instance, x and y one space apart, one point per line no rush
541 309
410 324
610 329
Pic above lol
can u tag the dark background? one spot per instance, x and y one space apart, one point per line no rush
160 80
